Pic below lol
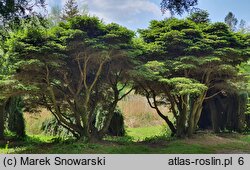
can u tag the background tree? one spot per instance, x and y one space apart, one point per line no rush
70 10
231 21
178 6
243 28
14 9
11 114
199 16
55 15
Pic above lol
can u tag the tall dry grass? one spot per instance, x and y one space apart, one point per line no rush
138 113
34 121
135 108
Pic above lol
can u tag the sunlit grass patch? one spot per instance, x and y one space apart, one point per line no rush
142 133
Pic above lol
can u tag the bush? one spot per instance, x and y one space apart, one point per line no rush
116 127
51 127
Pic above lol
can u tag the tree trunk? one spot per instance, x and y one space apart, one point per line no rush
191 125
181 125
111 111
104 130
166 119
195 113
192 116
198 115
242 106
182 118
214 116
171 126
85 130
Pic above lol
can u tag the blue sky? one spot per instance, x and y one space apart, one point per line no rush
136 14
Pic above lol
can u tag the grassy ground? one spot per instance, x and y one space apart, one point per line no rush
145 134
136 142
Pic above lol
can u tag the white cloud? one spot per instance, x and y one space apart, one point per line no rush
128 7
123 9
131 13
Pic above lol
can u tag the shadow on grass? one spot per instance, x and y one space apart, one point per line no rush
28 144
41 144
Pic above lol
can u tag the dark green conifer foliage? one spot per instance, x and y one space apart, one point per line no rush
183 59
77 67
117 126
14 111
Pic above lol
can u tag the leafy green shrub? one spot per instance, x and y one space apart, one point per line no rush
116 127
51 127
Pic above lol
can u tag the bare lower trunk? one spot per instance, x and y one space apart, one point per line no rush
198 115
166 119
195 113
181 124
214 117
182 118
86 128
111 110
171 126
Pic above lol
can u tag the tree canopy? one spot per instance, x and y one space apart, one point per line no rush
184 59
76 67
13 9
80 68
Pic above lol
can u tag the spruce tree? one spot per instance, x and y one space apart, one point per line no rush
70 10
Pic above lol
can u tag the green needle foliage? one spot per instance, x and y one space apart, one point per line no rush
191 57
73 70
81 68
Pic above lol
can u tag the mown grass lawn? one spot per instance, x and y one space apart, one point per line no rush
150 140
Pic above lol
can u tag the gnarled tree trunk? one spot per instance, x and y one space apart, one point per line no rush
182 118
195 113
